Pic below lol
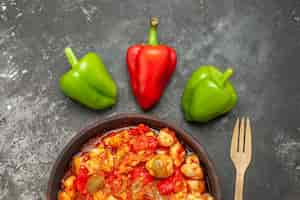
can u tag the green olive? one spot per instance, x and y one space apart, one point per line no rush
95 183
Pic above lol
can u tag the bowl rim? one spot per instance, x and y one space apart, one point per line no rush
179 131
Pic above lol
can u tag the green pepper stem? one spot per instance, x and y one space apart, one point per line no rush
71 57
152 36
226 75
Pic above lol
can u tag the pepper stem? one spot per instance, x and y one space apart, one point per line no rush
152 36
226 75
71 56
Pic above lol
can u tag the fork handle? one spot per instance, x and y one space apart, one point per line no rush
239 186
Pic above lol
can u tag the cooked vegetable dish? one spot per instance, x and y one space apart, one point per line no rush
135 164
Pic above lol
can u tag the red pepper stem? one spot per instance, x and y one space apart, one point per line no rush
71 57
227 74
152 36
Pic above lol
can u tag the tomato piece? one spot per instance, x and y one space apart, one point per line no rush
143 128
171 184
84 197
81 180
128 195
152 143
134 131
88 197
114 182
142 142
178 181
141 172
166 186
140 129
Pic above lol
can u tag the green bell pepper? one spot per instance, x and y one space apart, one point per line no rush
208 94
88 82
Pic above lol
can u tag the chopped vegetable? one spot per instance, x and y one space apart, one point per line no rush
192 170
69 182
95 183
166 186
64 196
142 174
144 143
172 184
165 139
81 180
115 182
192 158
177 153
196 186
160 166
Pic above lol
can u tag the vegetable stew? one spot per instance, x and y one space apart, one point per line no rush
135 164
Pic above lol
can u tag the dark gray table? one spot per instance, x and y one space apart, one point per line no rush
260 39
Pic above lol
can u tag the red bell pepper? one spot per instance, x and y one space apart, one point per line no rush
150 67
81 180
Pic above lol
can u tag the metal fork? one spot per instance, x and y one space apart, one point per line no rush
241 153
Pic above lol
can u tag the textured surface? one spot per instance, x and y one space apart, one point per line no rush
260 39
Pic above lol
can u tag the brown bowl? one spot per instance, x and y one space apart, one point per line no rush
121 121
